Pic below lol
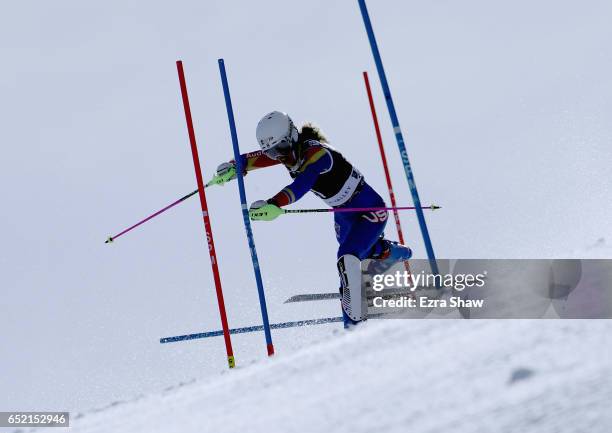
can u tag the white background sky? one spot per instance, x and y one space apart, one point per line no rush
505 108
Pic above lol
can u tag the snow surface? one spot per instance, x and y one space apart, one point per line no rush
398 376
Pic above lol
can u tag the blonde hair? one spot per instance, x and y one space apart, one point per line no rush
310 131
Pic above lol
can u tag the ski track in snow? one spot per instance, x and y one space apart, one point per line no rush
396 376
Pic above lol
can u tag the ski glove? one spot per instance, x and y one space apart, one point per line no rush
225 172
261 210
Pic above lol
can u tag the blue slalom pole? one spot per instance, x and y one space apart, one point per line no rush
245 211
247 329
398 137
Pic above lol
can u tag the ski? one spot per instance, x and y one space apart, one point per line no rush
246 329
312 297
307 297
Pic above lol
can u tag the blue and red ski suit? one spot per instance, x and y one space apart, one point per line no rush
324 171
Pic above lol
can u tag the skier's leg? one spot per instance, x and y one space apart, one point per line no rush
362 236
382 248
354 308
342 225
357 235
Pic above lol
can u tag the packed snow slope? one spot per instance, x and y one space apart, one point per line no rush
397 376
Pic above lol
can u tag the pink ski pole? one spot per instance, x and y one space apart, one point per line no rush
112 238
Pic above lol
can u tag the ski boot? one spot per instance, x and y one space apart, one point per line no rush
348 322
397 252
391 253
352 292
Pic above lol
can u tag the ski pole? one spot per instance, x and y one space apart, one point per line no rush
360 209
112 238
216 180
274 211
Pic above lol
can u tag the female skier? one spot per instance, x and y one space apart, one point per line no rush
316 166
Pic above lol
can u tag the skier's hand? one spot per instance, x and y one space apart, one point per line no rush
225 167
261 210
225 172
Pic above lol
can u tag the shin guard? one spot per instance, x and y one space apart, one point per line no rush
354 302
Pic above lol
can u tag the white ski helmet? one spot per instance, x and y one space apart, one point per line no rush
276 134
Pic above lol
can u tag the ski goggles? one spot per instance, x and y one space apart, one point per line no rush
279 150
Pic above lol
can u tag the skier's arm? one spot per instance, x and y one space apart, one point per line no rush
254 160
226 171
318 161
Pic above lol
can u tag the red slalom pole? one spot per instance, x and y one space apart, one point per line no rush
207 226
383 156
